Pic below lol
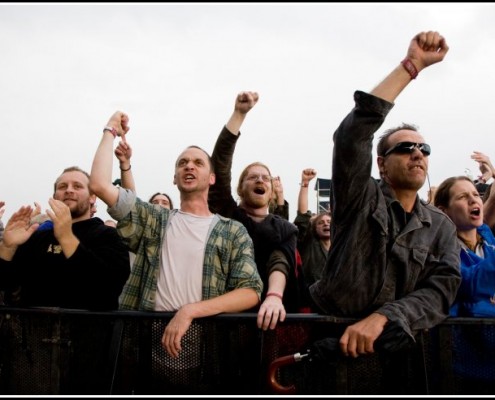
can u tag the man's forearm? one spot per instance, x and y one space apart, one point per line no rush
390 88
235 122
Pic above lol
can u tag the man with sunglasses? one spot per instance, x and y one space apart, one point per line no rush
394 260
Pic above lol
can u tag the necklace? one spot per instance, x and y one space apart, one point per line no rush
470 245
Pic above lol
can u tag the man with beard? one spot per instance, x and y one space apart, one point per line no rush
80 263
188 260
274 237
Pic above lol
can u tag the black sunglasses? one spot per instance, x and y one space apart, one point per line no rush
408 148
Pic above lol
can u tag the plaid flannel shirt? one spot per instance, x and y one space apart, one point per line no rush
228 261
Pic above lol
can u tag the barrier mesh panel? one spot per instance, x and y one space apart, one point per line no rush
473 362
28 346
59 352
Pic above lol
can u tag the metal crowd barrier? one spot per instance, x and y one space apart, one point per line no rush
47 351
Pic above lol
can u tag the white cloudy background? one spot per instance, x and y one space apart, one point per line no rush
176 69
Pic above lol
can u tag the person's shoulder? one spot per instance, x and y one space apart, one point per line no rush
234 223
93 224
437 216
228 220
98 225
231 230
432 210
281 222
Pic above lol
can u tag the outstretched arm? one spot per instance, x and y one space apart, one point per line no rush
101 170
425 49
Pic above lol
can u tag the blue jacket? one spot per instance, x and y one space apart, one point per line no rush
476 296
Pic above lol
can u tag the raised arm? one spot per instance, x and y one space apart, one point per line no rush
243 104
489 209
302 201
220 199
123 152
425 49
487 172
486 168
278 205
350 173
101 170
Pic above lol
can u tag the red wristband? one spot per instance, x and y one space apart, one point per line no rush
410 67
111 129
275 294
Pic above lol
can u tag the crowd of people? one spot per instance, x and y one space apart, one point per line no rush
380 254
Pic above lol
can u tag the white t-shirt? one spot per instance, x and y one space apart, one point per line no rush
181 261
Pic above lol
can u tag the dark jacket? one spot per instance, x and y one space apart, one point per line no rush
313 253
405 267
273 233
92 278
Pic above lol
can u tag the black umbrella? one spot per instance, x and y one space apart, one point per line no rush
327 350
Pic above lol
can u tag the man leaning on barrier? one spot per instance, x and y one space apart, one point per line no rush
188 260
406 272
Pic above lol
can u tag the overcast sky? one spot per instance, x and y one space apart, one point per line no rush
176 69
